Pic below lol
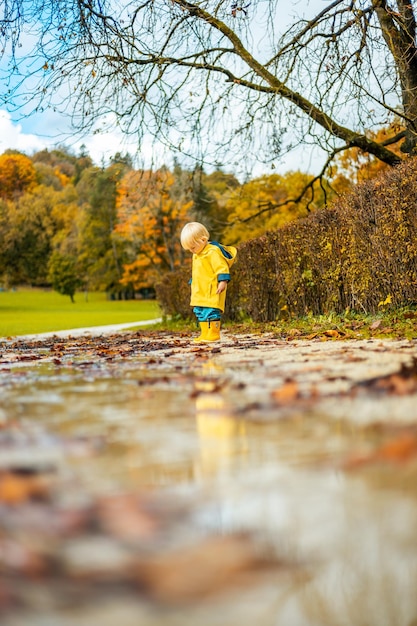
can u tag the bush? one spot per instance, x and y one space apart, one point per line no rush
173 293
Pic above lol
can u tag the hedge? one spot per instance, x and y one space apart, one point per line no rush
352 255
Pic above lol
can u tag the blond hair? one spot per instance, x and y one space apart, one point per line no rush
193 232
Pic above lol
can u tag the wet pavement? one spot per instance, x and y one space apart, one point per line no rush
148 480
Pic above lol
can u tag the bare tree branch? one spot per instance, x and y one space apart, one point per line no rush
296 199
215 82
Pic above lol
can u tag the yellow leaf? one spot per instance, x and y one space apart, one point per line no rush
387 300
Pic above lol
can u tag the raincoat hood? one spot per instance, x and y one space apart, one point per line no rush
229 252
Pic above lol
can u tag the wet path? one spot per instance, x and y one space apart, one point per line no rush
147 480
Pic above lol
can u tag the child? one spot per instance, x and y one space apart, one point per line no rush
210 275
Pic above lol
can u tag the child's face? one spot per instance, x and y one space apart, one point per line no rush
196 246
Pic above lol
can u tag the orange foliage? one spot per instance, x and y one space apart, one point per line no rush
150 217
63 178
17 175
15 489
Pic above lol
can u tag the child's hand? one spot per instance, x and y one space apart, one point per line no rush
221 286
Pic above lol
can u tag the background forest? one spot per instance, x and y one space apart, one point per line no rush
67 223
71 225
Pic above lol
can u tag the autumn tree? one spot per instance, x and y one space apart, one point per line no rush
63 162
238 80
354 165
17 174
31 227
252 207
44 214
151 214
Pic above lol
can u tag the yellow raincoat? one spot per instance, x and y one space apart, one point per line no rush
211 266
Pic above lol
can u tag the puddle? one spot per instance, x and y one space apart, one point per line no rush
337 542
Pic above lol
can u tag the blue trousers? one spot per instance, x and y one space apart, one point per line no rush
207 314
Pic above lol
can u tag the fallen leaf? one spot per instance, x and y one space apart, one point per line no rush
399 383
15 489
126 517
375 324
22 558
400 449
410 315
351 358
287 393
332 333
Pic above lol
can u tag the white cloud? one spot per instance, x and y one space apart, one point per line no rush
12 136
102 146
54 130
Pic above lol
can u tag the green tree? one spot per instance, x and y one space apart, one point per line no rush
63 274
100 254
214 192
30 227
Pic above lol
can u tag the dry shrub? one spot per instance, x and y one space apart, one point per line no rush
173 293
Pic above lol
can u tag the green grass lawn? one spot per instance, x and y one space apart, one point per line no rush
28 311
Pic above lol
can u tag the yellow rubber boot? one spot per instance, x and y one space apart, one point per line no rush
213 331
204 328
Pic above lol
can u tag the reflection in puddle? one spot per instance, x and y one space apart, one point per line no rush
344 544
222 436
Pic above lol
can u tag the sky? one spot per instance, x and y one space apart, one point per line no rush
49 129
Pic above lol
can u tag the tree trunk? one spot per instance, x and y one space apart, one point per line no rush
399 32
